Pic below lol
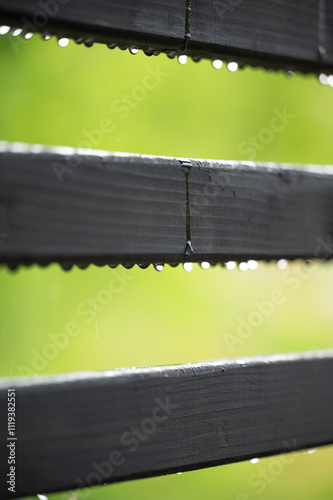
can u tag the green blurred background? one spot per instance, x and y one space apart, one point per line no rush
55 96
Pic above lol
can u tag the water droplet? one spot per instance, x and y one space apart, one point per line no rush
29 35
188 266
254 460
88 43
41 497
189 248
290 74
313 450
205 265
112 46
182 59
4 30
282 264
123 47
323 79
232 66
179 473
159 267
113 266
148 52
67 266
171 55
243 266
144 266
82 265
47 36
133 50
231 265
217 64
63 42
252 265
17 31
330 80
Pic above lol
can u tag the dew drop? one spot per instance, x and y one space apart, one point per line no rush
243 266
231 265
330 80
282 264
323 79
313 450
29 35
179 473
88 43
217 64
232 66
4 30
144 266
159 267
82 265
182 59
67 266
188 266
41 497
63 42
17 31
252 265
254 460
133 51
47 36
112 46
205 265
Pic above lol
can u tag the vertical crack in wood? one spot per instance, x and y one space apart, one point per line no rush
186 166
322 29
187 23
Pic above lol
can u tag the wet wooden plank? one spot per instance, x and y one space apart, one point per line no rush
103 208
274 34
278 33
79 430
129 22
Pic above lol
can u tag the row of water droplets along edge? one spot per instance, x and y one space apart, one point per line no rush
232 66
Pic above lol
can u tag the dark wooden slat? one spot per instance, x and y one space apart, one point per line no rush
127 22
133 209
274 33
298 33
153 421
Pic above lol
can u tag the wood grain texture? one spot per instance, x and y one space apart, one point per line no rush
131 209
272 33
294 32
93 428
127 22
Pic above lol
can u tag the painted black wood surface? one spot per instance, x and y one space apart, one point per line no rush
273 33
87 429
128 209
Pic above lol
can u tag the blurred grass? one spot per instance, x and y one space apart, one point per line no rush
50 95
